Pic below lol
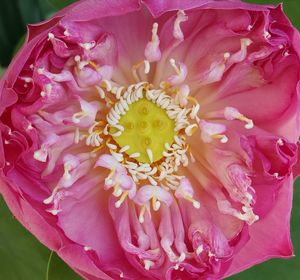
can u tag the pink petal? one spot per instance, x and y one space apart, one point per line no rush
269 237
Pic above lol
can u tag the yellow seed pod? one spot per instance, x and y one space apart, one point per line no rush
146 126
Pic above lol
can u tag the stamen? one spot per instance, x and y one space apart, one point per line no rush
280 142
231 113
155 203
106 84
121 200
78 116
199 250
226 55
191 129
117 191
181 257
148 264
101 92
210 131
267 35
195 203
66 33
124 149
67 168
150 155
183 95
181 73
77 58
93 64
87 248
135 68
223 138
41 155
177 32
142 212
173 64
152 50
50 36
147 66
135 155
186 191
87 46
54 212
111 146
117 134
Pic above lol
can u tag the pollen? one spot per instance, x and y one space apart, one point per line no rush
147 128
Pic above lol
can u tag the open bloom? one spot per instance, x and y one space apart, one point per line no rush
154 139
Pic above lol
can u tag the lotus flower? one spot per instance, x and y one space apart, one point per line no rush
154 139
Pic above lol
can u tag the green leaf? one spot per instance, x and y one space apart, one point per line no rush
14 16
19 44
22 256
2 70
58 270
59 4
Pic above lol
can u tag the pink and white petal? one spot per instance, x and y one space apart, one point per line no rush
93 209
269 237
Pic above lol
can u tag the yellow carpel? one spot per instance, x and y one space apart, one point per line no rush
146 127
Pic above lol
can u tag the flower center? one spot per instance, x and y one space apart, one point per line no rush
147 128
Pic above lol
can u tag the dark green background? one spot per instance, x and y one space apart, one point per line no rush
22 257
